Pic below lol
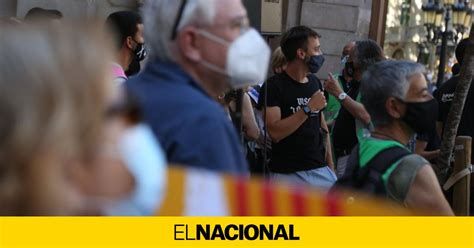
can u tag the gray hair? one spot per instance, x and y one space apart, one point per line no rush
160 17
383 80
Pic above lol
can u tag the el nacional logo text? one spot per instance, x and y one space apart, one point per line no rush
234 232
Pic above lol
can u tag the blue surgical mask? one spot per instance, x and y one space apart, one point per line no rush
146 162
315 63
344 60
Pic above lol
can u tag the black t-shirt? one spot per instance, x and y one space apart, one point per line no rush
433 142
432 139
304 149
445 96
344 131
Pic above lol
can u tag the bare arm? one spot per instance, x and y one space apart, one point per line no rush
356 109
325 128
280 129
248 119
420 150
425 194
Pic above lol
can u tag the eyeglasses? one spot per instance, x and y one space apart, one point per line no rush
178 19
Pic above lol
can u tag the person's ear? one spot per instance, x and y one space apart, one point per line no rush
129 43
395 108
188 40
301 54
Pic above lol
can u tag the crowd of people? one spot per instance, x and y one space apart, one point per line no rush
93 115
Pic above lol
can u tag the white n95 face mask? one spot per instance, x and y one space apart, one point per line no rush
248 58
146 162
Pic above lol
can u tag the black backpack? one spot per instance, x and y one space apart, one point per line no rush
369 179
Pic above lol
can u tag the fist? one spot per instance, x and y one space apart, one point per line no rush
318 101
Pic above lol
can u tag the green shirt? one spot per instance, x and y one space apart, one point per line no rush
332 109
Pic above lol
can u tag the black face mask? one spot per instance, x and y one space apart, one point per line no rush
315 63
349 68
421 116
140 52
139 55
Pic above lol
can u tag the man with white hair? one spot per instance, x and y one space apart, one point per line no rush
198 49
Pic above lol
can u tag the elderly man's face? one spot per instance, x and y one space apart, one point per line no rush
418 91
230 22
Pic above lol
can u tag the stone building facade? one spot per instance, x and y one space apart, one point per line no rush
71 9
405 30
338 21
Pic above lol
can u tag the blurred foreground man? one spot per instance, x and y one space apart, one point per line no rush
396 96
198 49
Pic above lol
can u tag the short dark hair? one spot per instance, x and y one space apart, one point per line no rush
296 38
461 50
123 24
366 53
36 14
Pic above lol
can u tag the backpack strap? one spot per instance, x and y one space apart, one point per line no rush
352 166
369 178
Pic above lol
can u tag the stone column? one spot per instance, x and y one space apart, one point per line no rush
7 8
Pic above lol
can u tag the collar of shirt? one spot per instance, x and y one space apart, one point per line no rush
118 71
170 72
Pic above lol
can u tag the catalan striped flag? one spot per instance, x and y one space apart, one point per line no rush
191 192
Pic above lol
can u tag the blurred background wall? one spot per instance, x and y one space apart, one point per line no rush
338 21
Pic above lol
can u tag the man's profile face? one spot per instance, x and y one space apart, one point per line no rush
314 47
139 37
418 90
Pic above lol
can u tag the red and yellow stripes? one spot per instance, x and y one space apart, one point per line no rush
257 197
174 198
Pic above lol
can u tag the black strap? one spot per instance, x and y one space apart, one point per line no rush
352 166
369 178
174 32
